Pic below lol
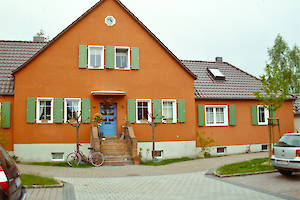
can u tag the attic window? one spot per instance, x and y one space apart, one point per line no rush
216 73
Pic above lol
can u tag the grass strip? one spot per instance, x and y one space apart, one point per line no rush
58 164
166 161
255 165
30 179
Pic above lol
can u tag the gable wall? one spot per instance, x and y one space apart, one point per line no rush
55 73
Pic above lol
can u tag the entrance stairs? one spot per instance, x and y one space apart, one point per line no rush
117 150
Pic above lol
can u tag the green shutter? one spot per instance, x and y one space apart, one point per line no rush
254 115
86 111
131 110
5 115
232 115
58 110
82 63
201 115
273 114
30 110
181 110
135 58
110 57
157 110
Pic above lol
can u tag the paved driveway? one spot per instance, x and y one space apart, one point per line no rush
184 180
273 183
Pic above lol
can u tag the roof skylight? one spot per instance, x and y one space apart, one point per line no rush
216 73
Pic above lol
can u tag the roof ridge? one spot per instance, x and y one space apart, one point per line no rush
88 12
224 63
242 71
198 61
21 41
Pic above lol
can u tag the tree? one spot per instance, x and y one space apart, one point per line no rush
287 61
278 81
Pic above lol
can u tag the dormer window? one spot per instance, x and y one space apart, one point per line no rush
122 58
216 73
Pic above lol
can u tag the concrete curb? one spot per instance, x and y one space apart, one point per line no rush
60 185
214 173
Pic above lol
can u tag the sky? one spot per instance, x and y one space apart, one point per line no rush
240 31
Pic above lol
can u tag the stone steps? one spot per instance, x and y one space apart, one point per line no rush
116 152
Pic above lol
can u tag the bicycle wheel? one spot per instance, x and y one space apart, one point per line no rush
97 159
73 159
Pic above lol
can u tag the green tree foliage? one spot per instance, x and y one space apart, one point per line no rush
286 61
280 78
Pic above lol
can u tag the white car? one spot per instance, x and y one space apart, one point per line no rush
286 154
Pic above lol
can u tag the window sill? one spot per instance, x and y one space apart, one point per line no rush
217 125
95 68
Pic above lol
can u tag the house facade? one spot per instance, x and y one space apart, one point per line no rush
109 62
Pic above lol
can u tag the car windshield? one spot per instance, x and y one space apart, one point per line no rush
289 141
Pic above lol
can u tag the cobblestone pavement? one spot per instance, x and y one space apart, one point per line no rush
273 183
185 180
188 186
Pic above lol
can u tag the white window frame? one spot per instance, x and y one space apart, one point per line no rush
65 107
149 110
267 114
128 61
174 110
102 57
38 110
214 112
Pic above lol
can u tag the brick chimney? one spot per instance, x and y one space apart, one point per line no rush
219 59
37 38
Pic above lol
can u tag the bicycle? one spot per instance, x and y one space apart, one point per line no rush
96 158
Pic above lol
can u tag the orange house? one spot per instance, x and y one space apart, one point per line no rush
109 62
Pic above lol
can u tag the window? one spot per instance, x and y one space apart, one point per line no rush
96 57
72 108
216 73
122 57
264 147
143 110
44 110
263 115
221 150
57 156
216 115
169 110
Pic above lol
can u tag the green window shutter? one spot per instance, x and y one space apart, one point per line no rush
273 114
131 110
181 110
86 111
109 57
30 110
82 63
157 110
58 110
135 58
254 115
201 115
5 115
232 115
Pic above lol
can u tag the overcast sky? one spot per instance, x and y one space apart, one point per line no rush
240 31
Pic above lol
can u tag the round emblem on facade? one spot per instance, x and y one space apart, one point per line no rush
110 20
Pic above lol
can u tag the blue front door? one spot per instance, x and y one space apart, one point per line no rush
109 125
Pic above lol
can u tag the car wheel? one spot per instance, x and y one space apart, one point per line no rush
285 173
